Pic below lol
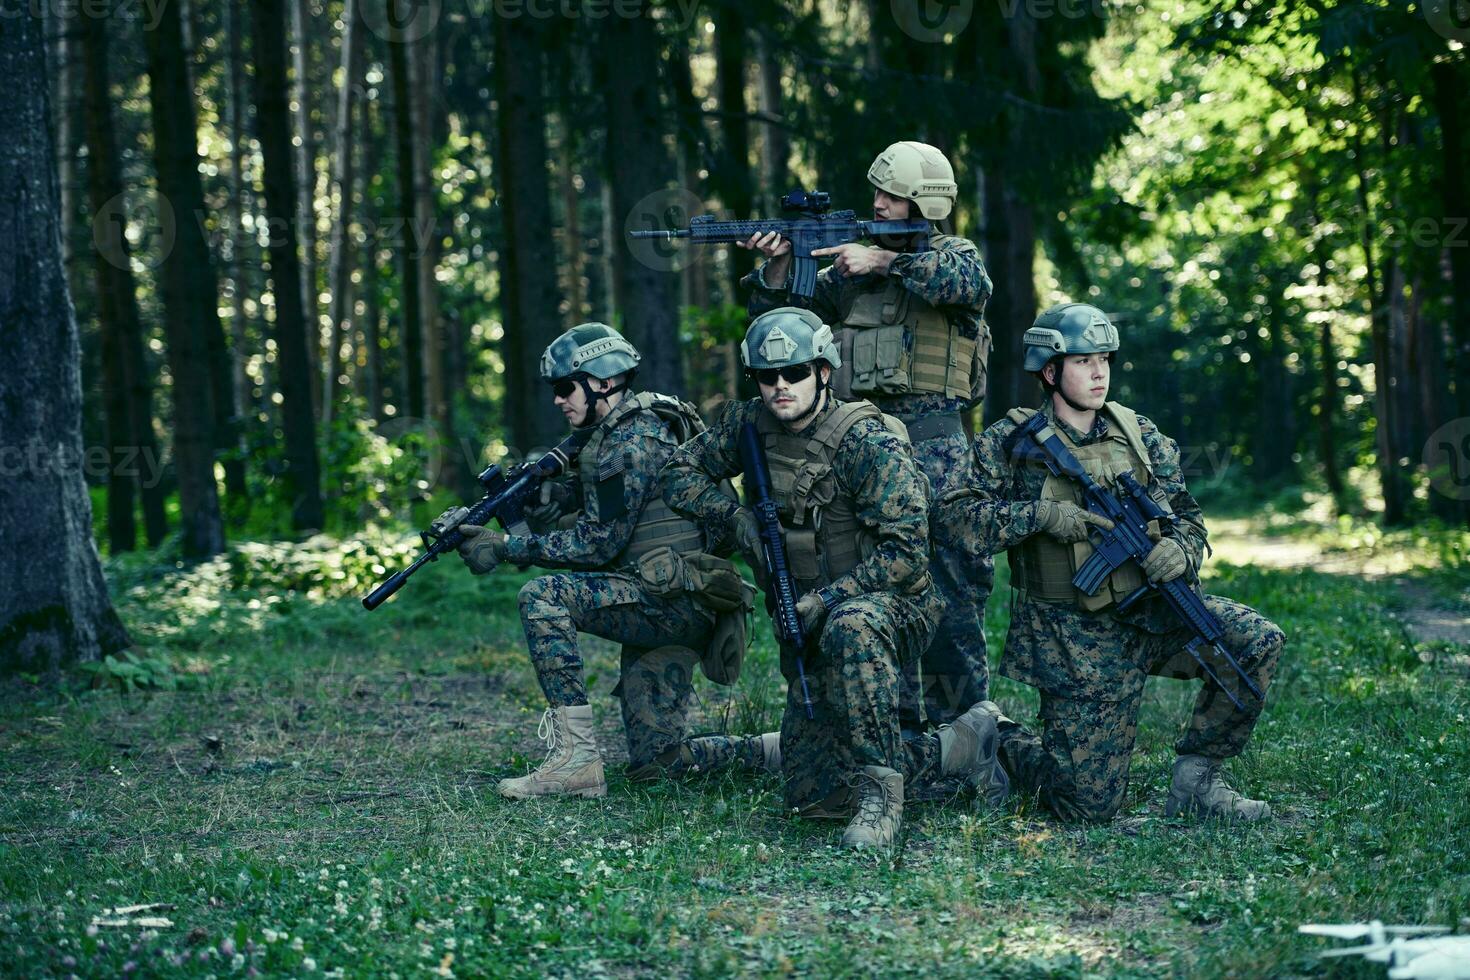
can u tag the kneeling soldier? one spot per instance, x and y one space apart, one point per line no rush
637 573
1088 658
853 510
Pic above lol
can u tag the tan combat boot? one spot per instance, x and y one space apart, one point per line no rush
1198 789
967 748
880 809
573 765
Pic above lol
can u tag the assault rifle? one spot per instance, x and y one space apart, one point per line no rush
814 228
504 501
1128 540
780 587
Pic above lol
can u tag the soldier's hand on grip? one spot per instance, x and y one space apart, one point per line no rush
1066 521
1166 562
769 244
811 610
482 549
551 504
747 531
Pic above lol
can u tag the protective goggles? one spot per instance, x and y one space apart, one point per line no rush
564 387
791 374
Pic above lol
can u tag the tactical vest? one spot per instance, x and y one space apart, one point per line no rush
824 538
658 525
894 342
1042 567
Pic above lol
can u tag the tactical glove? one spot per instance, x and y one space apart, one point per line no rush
482 549
551 503
811 610
1066 521
747 531
1166 562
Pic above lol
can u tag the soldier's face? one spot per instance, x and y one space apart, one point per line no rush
886 207
574 403
788 400
1084 379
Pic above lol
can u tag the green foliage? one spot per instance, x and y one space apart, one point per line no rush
127 672
327 801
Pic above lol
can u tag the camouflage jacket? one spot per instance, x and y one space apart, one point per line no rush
874 467
999 510
950 276
644 443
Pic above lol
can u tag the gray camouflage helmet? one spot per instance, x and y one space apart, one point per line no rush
593 349
1068 328
788 335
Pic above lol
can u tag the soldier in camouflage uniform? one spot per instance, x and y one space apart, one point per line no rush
910 332
854 516
1088 660
627 561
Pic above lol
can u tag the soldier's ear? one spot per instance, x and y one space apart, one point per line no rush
825 371
1049 372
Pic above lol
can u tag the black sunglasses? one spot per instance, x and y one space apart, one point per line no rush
564 387
792 373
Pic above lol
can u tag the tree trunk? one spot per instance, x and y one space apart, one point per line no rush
54 607
305 164
127 394
408 306
531 323
734 176
66 30
1327 397
775 143
691 139
238 268
344 180
372 339
1449 87
268 29
637 165
423 62
1010 250
188 287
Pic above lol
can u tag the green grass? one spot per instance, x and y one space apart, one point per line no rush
318 794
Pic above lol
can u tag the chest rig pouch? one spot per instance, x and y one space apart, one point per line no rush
893 342
601 474
1044 566
824 537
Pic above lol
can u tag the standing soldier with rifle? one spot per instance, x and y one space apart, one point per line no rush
1040 478
636 573
854 540
913 341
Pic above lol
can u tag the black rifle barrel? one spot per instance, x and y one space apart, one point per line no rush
781 594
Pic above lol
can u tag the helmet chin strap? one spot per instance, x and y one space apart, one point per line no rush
589 418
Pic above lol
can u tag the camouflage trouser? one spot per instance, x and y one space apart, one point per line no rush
660 637
1078 767
853 677
954 667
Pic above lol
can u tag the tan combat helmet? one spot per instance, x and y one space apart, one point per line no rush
919 173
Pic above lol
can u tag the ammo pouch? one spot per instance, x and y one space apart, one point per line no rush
714 584
878 341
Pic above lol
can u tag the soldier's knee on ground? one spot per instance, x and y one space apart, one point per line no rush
1085 803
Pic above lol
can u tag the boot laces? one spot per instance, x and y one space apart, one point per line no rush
872 807
549 732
